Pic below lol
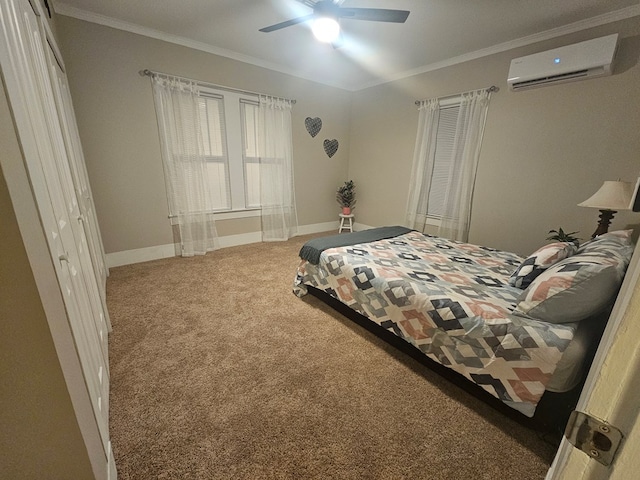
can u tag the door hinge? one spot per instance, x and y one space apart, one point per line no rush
595 437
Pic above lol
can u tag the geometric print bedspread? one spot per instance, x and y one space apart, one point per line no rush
452 301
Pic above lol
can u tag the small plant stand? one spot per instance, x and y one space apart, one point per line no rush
346 222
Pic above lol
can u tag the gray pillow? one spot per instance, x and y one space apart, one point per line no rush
577 287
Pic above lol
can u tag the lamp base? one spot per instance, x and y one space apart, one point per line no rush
605 220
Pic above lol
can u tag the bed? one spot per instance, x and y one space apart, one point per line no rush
515 327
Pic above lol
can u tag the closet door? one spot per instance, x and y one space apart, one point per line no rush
78 170
76 186
63 149
29 88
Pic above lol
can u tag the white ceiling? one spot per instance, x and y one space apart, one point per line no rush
437 32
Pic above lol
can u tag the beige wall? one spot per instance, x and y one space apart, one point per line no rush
544 150
40 437
118 128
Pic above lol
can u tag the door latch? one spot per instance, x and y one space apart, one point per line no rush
595 437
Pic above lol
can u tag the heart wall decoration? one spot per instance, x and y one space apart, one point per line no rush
313 125
331 147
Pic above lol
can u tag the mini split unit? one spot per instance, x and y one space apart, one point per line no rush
593 58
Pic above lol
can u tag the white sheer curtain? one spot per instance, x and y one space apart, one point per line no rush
275 149
456 215
456 209
422 170
178 112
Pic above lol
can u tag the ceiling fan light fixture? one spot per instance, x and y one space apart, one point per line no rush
326 29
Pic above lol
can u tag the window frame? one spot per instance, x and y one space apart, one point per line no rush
235 141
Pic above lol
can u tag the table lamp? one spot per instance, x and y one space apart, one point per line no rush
611 197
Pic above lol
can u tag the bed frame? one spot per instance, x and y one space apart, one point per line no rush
552 412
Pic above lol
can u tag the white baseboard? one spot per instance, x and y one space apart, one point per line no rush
127 257
318 228
138 255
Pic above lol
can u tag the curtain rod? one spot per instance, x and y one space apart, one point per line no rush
148 73
492 88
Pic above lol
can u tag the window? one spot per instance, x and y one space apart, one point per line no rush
250 158
228 121
212 121
445 142
445 162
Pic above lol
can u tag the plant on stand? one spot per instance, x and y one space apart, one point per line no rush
346 197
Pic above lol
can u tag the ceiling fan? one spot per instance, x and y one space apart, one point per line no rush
327 13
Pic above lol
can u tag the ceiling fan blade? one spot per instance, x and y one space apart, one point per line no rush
375 14
286 24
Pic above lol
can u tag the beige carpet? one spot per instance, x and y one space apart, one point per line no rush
219 372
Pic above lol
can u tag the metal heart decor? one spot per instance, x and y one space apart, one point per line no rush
331 147
314 125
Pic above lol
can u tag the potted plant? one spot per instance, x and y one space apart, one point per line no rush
562 236
346 197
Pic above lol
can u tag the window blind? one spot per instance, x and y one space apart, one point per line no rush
443 159
214 137
250 159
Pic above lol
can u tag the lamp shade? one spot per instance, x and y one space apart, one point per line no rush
612 195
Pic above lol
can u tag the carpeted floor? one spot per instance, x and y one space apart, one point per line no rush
219 372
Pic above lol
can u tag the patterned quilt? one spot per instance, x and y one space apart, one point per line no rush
453 302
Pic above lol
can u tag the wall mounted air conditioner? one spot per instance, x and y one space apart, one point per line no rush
589 59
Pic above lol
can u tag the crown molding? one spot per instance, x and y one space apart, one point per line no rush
62 8
592 22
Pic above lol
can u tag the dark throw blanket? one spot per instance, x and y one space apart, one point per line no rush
311 250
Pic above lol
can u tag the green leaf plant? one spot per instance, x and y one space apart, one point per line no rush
346 194
562 236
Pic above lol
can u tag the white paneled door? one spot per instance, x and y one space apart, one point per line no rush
68 177
36 89
78 170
